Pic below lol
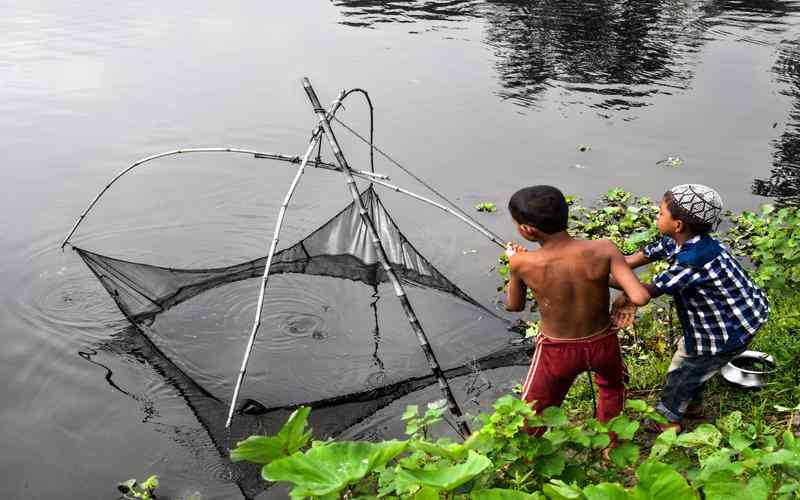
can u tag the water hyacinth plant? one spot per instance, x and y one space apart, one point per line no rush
503 460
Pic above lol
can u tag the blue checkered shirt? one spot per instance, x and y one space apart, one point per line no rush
719 307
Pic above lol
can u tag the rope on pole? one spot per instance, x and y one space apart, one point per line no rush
409 172
416 326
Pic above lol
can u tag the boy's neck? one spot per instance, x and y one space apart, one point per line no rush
681 238
554 239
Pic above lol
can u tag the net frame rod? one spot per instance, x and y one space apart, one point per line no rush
256 154
316 137
450 211
416 326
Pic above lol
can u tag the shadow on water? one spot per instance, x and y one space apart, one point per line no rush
328 419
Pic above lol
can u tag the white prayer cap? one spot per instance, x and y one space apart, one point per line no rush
698 201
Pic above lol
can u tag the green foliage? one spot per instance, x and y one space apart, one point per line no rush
486 206
771 240
133 489
331 467
419 425
626 220
517 454
264 449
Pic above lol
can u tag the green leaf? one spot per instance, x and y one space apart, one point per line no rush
258 449
327 469
486 206
447 478
454 452
703 435
264 449
293 434
411 412
426 493
606 491
503 494
758 488
551 465
553 416
637 405
127 486
723 485
781 457
624 454
739 441
663 443
600 441
150 484
559 490
731 422
658 481
623 426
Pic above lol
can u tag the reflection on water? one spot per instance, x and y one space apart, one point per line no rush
784 183
607 55
368 13
613 56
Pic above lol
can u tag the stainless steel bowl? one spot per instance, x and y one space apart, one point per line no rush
749 378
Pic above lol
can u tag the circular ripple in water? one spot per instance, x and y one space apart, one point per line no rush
53 292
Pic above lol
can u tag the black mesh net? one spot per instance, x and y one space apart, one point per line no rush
333 336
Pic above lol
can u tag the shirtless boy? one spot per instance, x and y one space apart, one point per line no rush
569 279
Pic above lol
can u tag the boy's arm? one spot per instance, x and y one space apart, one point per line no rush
517 290
637 260
623 276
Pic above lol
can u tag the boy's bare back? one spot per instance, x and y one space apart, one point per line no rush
569 279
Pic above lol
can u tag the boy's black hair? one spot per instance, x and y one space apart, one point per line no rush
695 225
543 207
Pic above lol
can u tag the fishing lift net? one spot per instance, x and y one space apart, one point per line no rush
333 334
371 355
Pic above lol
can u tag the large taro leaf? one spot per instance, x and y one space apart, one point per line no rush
658 481
330 468
445 478
503 494
607 491
264 449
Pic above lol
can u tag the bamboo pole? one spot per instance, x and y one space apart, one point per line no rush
315 139
256 154
384 260
274 245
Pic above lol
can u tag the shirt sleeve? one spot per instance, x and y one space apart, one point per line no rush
660 249
678 277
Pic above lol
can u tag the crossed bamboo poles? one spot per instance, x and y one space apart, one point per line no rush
323 127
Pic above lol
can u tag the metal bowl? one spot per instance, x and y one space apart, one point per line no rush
748 378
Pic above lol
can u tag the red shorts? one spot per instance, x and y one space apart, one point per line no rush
556 363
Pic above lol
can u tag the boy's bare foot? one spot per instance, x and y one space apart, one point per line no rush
607 453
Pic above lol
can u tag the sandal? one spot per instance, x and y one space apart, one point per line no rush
651 425
695 411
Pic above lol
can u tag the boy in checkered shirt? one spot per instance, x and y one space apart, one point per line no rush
719 307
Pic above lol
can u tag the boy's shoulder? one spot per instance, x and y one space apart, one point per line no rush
700 252
601 247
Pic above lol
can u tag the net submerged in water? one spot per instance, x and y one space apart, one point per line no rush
328 339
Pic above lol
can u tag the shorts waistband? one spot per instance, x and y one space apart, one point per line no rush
602 333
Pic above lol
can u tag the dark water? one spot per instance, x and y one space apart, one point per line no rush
479 98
